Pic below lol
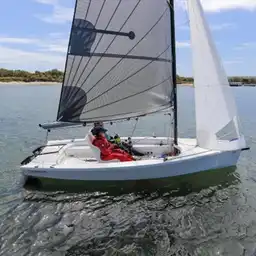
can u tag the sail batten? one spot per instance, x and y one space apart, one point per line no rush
134 57
118 52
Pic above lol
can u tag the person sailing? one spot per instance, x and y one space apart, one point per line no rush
100 125
109 151
126 146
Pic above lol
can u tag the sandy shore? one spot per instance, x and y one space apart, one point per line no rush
191 85
29 83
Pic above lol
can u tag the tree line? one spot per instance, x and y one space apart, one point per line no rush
239 79
56 75
53 75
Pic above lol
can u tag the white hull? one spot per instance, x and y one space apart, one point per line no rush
70 163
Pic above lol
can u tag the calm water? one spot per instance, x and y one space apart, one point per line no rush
203 214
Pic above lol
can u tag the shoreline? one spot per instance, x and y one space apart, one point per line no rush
186 84
29 83
57 83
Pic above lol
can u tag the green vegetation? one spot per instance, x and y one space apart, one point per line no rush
184 80
55 75
244 80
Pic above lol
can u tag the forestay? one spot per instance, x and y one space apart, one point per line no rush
216 114
119 61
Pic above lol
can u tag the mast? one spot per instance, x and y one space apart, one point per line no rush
174 70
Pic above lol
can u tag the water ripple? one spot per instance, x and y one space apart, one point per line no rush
209 213
160 222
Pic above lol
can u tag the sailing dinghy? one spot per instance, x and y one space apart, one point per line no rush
120 65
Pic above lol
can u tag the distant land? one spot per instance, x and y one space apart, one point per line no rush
234 80
56 76
9 76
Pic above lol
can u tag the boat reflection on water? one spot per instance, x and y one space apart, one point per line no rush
175 186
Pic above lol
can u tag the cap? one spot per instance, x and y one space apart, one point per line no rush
97 130
98 124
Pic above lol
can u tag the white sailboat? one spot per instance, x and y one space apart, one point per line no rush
121 65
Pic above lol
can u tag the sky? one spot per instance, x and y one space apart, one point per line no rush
34 34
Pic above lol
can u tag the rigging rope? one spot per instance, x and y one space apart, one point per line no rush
46 138
169 136
137 120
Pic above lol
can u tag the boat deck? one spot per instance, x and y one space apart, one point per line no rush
54 155
76 161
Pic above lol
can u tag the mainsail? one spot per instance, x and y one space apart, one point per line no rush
118 62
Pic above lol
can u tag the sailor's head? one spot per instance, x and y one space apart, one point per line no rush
99 131
98 124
